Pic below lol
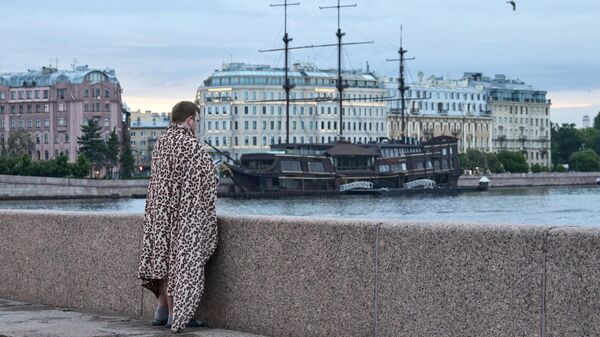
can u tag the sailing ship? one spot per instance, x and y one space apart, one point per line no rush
386 164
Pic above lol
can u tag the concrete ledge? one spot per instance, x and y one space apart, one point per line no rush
309 277
533 179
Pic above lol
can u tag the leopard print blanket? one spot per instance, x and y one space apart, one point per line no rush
180 222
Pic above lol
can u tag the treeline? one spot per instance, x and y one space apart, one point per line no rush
58 167
94 154
577 148
506 161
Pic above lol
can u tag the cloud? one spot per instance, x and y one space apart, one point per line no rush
166 49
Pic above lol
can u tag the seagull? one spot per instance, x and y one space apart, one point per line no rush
513 3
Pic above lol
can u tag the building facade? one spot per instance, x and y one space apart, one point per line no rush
521 117
53 104
438 106
243 107
144 130
487 114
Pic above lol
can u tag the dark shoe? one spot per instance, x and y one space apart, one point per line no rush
191 324
195 324
157 322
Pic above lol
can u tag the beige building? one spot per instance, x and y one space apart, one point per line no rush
521 117
472 131
145 129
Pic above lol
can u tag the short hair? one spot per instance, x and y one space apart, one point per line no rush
183 110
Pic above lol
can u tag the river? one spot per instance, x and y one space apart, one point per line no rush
540 205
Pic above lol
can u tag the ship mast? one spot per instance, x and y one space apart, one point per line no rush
402 88
287 86
286 39
340 85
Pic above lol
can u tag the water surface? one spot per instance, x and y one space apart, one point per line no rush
547 205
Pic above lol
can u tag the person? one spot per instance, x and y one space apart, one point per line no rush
180 222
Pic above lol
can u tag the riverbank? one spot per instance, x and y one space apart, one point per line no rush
37 188
533 179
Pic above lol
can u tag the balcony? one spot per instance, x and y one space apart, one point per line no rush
218 99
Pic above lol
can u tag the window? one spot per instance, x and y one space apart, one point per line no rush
46 123
86 107
107 107
46 93
46 138
56 138
86 93
60 93
106 121
30 123
106 93
66 138
290 166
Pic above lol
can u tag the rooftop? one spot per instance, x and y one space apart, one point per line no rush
47 76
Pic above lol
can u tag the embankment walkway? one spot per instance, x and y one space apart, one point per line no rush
18 319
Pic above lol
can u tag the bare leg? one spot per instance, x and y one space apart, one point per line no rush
163 299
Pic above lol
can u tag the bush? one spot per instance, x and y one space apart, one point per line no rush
559 168
513 162
585 161
82 167
536 168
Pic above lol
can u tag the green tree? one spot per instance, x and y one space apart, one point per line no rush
591 139
566 139
477 159
22 166
112 152
585 161
81 168
513 162
126 161
465 164
19 143
536 168
60 167
559 168
91 144
494 165
597 122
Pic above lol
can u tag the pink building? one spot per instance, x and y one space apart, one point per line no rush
52 105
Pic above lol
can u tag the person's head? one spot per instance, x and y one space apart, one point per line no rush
185 113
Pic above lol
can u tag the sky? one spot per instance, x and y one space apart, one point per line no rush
163 50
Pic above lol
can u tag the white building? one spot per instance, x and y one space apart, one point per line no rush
438 106
243 107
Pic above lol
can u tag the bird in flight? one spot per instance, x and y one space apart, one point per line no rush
513 3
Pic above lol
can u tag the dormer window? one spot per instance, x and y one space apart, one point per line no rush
95 77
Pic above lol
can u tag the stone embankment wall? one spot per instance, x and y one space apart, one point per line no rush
22 187
309 277
533 179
